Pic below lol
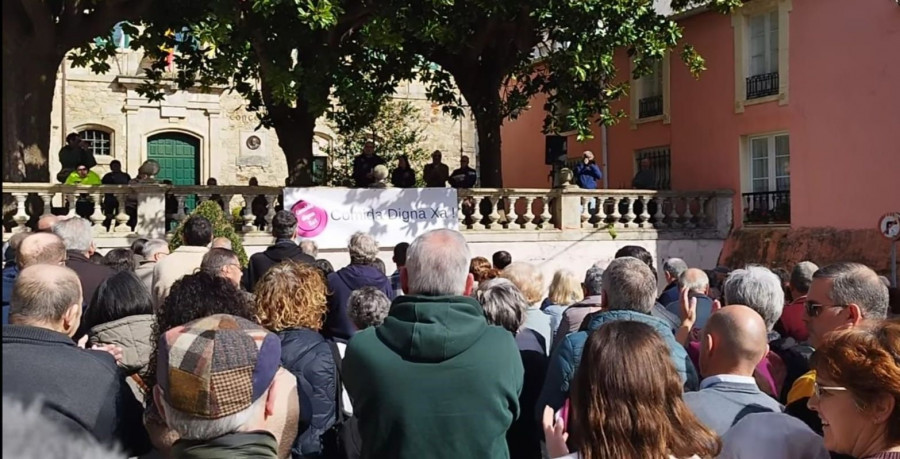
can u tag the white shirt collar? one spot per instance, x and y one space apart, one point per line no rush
713 380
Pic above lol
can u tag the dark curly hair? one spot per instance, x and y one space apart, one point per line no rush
120 259
193 297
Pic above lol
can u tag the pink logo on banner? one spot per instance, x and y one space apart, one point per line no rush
311 220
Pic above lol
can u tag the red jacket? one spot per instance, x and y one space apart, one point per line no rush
792 323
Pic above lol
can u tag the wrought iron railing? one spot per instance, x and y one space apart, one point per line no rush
660 163
650 106
762 85
767 207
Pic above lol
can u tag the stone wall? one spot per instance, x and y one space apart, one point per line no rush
218 119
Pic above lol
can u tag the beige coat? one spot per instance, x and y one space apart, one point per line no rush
181 262
144 272
132 334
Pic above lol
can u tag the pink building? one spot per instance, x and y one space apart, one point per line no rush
798 113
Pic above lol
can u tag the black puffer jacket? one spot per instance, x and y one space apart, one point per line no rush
307 355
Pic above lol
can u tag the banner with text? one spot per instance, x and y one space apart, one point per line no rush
330 216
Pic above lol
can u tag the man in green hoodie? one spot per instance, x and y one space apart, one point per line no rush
434 380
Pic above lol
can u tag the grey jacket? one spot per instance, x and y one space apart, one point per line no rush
573 316
723 404
144 272
133 334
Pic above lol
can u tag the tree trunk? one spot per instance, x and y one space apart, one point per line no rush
295 137
486 107
29 81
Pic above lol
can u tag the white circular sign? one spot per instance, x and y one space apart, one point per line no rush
889 225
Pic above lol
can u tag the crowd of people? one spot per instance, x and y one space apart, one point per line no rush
147 352
371 171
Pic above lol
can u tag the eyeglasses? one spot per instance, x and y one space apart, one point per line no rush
817 389
813 309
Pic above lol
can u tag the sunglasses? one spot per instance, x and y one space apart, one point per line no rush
813 309
817 389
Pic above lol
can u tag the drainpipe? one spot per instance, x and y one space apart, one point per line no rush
605 157
62 111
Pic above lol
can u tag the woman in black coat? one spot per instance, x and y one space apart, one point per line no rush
290 301
403 176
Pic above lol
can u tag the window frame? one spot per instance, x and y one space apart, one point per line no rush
103 130
667 149
747 177
637 86
740 24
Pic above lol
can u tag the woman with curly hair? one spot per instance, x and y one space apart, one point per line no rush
627 411
291 301
481 270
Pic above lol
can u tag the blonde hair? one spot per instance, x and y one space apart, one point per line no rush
291 295
527 278
565 288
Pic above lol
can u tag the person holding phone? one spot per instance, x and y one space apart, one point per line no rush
587 172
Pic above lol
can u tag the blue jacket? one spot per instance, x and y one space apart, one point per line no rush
565 358
341 284
9 280
586 175
309 358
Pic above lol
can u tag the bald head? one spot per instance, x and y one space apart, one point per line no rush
734 340
41 248
694 280
44 295
221 243
45 223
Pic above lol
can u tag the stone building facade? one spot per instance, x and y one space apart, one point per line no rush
211 132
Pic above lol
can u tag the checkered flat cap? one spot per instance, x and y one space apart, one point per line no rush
216 366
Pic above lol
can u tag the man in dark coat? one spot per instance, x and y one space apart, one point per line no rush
72 155
465 176
364 164
360 273
284 227
78 236
81 390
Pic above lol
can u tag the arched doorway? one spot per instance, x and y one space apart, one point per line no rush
178 155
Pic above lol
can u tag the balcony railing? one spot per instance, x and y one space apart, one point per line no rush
152 210
767 208
650 106
762 85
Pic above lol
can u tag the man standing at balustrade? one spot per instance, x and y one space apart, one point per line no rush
436 173
465 176
645 179
587 172
114 177
364 165
72 155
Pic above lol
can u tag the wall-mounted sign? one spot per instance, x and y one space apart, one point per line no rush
889 225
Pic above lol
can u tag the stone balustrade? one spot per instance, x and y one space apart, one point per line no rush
569 213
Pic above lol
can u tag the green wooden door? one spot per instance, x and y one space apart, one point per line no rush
178 156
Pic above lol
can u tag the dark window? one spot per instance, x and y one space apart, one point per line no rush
660 164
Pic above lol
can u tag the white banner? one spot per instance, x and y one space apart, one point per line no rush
330 216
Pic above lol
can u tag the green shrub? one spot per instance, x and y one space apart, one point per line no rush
222 227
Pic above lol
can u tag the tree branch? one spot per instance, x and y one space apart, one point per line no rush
79 28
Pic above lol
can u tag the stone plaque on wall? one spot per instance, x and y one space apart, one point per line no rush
253 149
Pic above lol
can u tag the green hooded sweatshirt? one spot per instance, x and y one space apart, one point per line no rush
435 380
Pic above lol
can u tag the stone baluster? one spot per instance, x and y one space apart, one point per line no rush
601 212
494 216
460 214
203 197
476 213
616 216
701 212
72 199
21 216
121 220
271 201
674 216
645 212
688 216
545 213
630 216
48 203
226 205
659 216
585 214
248 214
529 214
179 212
97 217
